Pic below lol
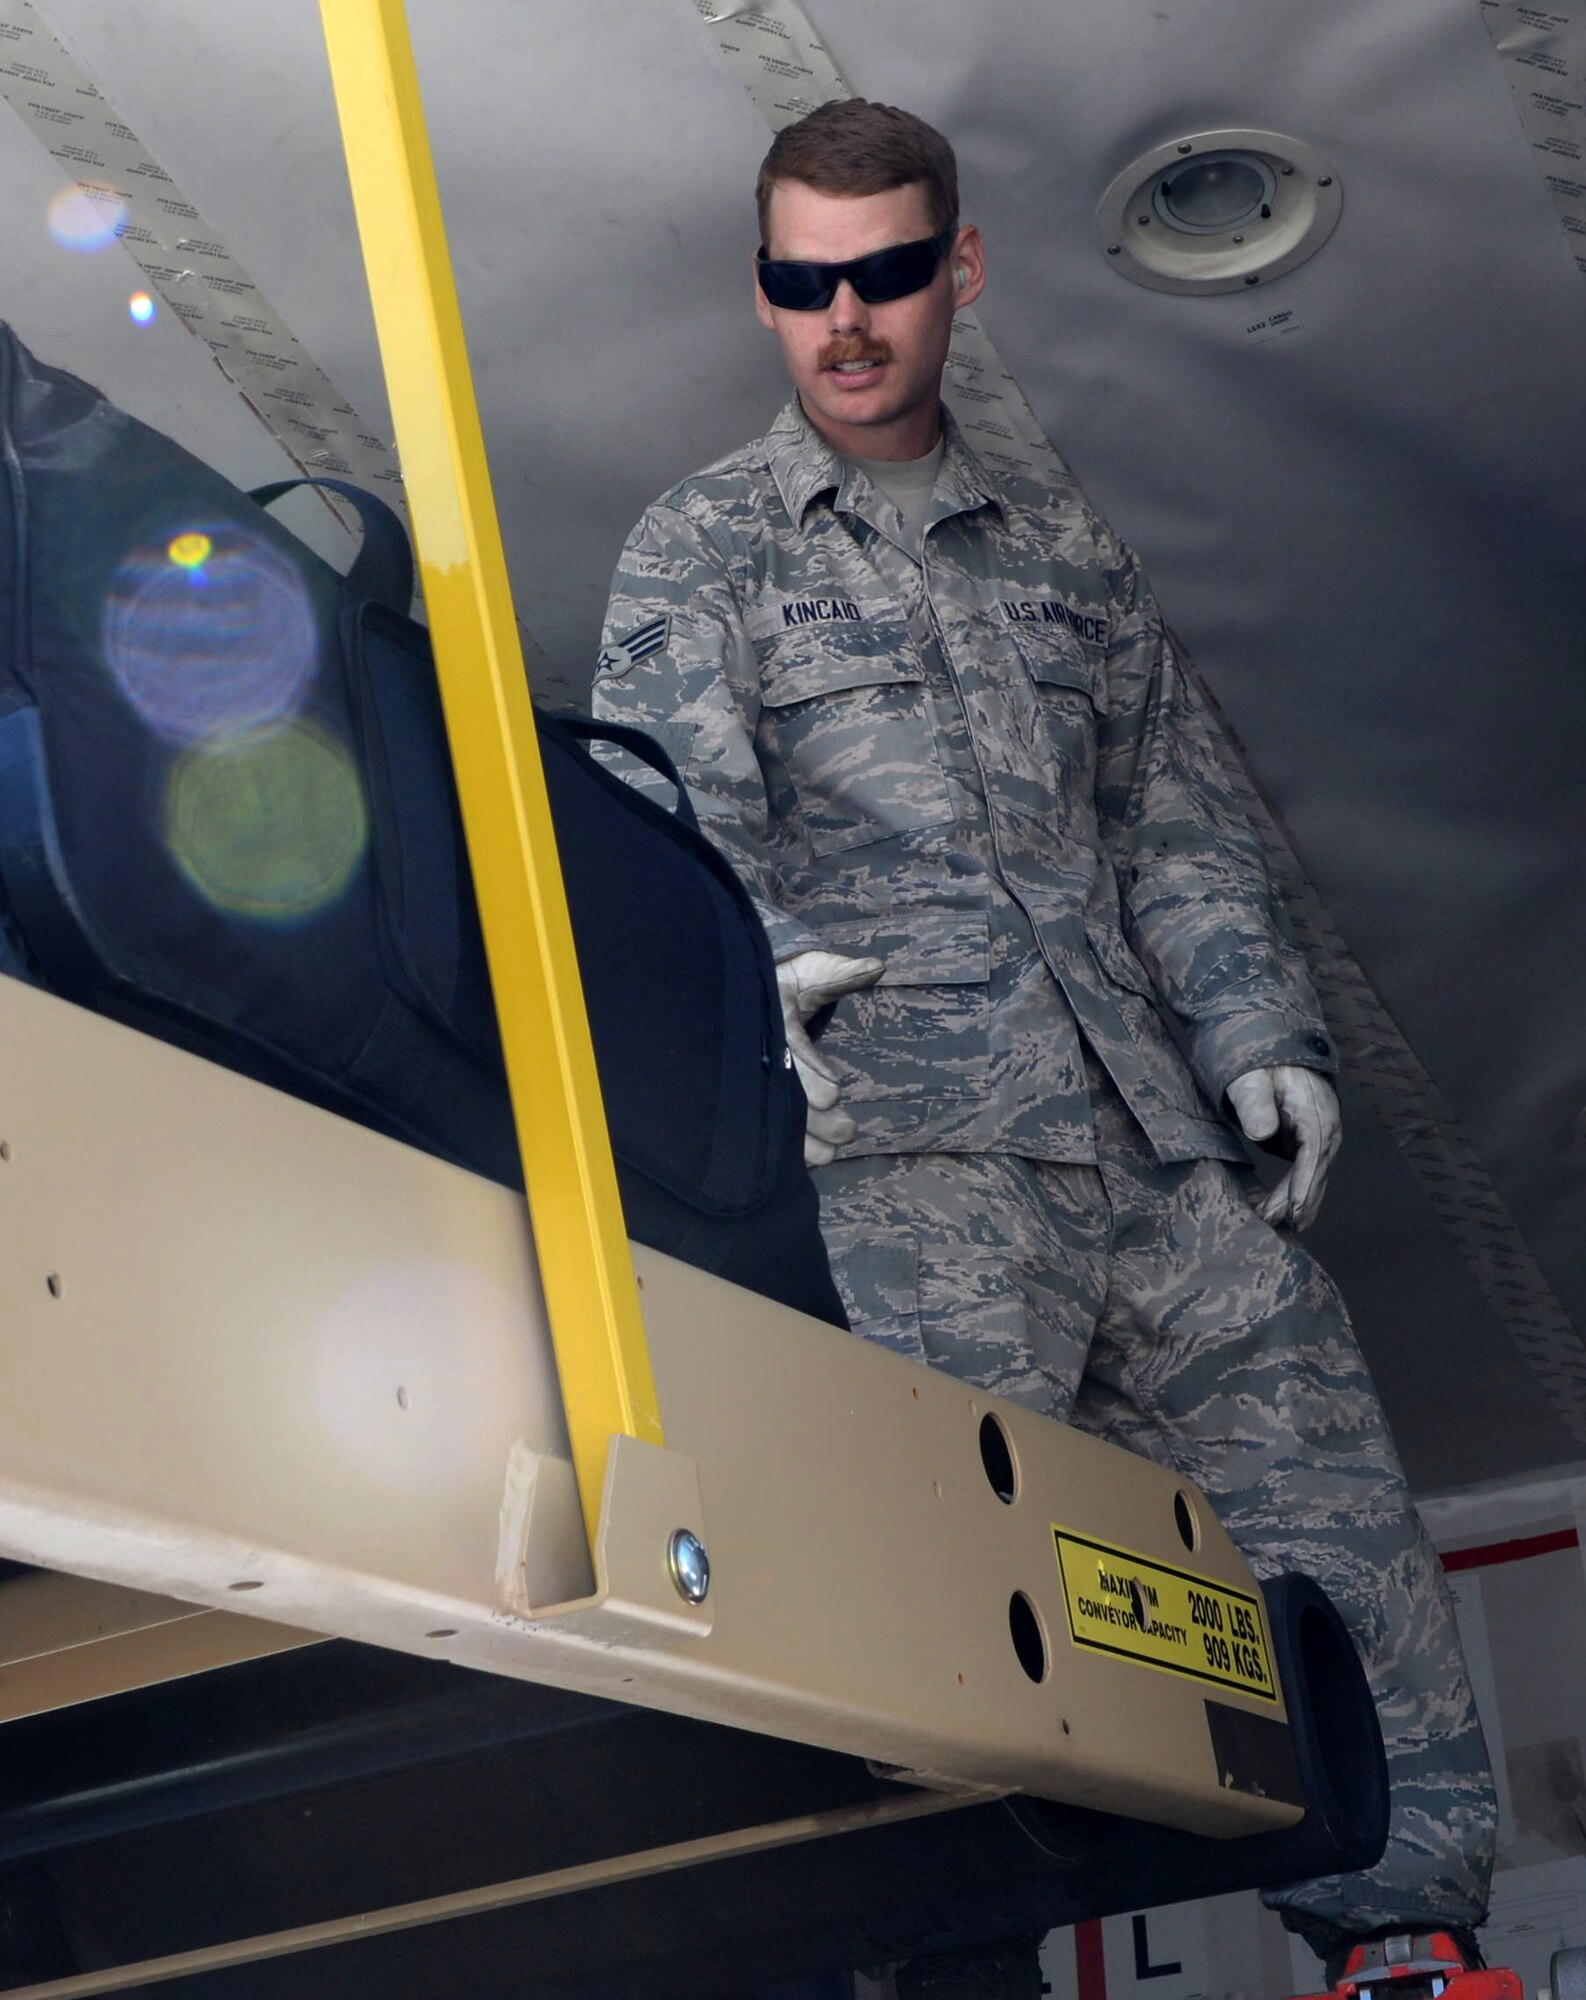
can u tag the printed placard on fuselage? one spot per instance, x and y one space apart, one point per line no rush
1123 1603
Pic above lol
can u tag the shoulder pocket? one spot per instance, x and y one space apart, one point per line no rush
1056 660
676 739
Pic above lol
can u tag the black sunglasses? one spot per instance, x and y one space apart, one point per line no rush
887 274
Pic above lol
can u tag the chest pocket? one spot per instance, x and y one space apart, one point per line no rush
846 732
1070 691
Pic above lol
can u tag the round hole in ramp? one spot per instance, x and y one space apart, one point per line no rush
996 1455
1029 1642
1184 1520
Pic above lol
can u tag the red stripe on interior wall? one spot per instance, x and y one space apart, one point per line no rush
1090 1964
1511 1552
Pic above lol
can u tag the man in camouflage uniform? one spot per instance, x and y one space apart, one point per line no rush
933 718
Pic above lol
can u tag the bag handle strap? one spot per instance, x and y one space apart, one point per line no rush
382 570
637 744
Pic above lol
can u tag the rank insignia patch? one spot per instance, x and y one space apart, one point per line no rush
616 660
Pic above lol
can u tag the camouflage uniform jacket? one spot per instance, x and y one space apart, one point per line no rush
981 763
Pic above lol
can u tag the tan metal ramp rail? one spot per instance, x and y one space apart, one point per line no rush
260 1359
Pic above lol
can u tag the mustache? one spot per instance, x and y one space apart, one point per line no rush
853 347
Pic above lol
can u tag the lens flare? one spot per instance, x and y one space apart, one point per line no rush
87 217
190 551
141 307
210 634
271 825
421 1369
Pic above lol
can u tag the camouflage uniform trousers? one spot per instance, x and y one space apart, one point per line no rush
1152 1306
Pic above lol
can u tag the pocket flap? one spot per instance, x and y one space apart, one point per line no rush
879 657
1056 658
921 947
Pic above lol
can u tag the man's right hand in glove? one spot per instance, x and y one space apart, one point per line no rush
808 982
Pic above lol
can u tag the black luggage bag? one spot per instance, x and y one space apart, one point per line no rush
227 816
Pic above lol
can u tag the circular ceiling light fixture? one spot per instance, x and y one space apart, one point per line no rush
1218 211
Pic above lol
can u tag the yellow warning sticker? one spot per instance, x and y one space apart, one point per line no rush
1122 1603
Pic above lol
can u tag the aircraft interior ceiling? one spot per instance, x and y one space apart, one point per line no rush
1368 528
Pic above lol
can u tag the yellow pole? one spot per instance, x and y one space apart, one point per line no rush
585 1266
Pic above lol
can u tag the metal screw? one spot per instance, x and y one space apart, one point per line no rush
1326 181
1288 170
1239 239
1185 146
1144 221
1112 251
689 1564
1252 279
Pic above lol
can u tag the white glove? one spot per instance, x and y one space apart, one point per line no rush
808 982
1304 1108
